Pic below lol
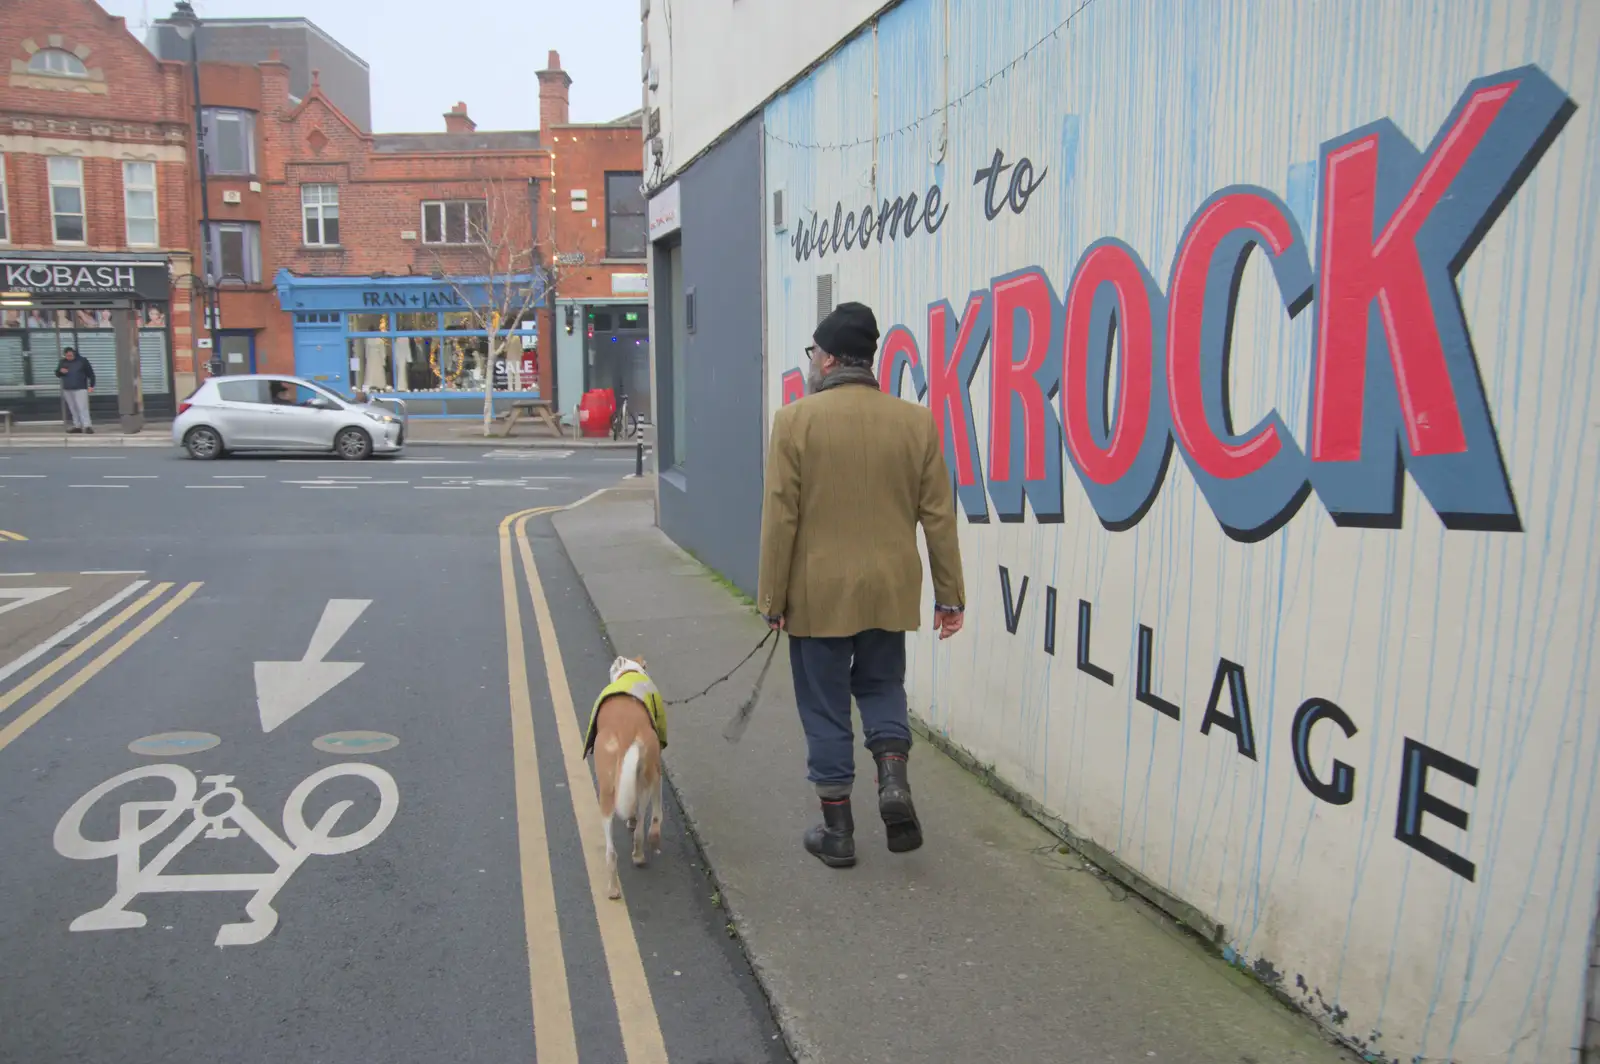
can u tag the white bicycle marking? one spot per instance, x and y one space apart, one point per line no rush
213 813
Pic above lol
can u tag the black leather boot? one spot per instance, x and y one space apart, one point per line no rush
833 842
900 821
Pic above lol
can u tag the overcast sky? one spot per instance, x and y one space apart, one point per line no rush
425 56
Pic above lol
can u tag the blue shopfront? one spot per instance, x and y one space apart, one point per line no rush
424 340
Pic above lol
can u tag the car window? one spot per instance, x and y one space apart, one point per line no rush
291 393
306 394
249 391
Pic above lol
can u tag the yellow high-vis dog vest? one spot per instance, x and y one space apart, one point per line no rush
638 686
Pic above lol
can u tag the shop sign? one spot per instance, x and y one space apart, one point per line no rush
666 212
425 299
146 280
630 284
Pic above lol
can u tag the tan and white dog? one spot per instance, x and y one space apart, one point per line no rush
627 730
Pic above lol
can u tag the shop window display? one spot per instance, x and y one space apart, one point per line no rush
432 352
31 342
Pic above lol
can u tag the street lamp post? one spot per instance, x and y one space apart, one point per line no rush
187 25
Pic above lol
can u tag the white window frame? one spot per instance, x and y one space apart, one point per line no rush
129 187
316 208
83 208
443 209
5 207
40 64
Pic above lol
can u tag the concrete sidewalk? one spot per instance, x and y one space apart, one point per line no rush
988 944
432 432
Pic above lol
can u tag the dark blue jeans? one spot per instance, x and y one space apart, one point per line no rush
870 665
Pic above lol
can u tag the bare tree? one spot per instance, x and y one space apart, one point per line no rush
499 249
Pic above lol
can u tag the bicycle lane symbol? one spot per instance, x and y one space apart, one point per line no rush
219 813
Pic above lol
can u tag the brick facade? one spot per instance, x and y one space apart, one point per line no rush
123 106
133 105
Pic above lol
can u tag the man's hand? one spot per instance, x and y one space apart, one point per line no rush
948 622
775 623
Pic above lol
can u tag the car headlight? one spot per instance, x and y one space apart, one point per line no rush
383 419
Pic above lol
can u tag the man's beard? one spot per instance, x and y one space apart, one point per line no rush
814 379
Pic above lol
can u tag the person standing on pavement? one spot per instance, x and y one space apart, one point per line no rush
77 382
851 472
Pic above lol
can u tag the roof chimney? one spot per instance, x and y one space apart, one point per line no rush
456 120
553 85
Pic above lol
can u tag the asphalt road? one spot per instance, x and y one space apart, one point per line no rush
394 862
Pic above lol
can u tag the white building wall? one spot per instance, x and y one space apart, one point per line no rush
1452 628
719 60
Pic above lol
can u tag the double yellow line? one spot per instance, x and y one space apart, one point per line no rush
555 1039
41 708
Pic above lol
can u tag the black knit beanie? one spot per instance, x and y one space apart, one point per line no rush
850 333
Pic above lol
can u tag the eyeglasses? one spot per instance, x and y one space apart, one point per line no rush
811 352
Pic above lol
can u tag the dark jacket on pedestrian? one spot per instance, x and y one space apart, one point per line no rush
76 374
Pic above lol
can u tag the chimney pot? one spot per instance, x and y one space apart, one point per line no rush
456 120
554 84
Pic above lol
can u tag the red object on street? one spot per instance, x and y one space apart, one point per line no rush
595 410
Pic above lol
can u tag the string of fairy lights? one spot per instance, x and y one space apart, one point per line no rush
941 111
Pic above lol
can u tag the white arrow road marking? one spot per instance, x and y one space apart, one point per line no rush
25 595
284 688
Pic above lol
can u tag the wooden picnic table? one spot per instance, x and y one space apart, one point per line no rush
543 409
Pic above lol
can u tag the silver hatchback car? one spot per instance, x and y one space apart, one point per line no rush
268 413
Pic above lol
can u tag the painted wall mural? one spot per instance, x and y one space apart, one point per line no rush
1265 373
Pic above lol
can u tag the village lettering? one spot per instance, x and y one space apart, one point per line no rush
1228 709
40 276
1394 382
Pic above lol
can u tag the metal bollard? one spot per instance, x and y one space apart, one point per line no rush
638 461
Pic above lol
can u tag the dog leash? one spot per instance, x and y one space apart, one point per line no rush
741 716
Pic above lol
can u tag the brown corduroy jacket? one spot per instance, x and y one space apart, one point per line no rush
851 471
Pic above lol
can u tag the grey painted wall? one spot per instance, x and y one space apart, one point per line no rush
711 502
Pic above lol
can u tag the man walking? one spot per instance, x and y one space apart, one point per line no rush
851 471
77 382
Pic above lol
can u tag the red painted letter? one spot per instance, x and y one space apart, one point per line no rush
1360 268
1027 294
1186 320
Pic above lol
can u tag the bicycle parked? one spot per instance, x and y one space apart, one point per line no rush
624 422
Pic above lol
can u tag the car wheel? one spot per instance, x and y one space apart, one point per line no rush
203 443
352 444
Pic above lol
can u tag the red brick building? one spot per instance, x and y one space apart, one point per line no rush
429 232
371 261
95 223
597 239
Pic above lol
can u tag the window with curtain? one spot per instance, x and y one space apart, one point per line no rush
230 142
236 252
66 199
319 205
139 204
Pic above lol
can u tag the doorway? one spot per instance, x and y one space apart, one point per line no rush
618 341
237 350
